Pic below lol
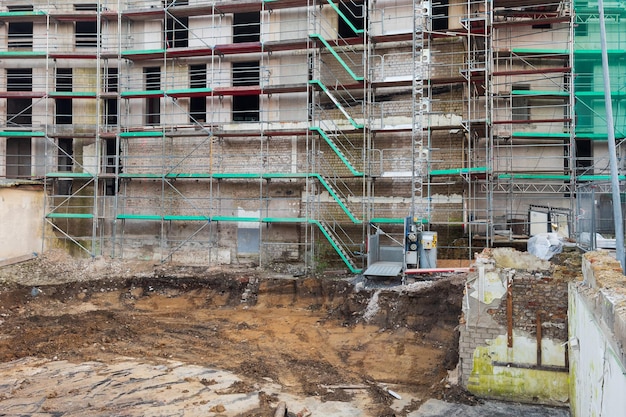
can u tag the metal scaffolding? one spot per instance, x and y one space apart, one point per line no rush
290 130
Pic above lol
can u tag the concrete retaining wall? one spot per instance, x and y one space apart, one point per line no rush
597 326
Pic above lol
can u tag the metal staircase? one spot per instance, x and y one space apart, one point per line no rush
338 71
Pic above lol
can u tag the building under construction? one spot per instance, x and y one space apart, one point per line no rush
215 132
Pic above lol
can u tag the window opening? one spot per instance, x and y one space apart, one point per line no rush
440 15
18 159
174 3
246 107
247 27
19 110
177 32
20 8
584 81
86 32
86 7
584 76
520 109
20 33
19 79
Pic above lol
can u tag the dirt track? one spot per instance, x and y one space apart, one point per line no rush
316 338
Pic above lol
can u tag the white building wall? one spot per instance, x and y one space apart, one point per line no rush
597 331
19 238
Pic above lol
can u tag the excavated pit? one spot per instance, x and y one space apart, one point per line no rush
331 341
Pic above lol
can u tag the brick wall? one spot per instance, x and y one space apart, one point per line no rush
533 295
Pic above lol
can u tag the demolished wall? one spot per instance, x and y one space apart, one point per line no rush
597 327
514 329
20 239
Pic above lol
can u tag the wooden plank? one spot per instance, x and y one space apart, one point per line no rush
538 338
17 259
509 313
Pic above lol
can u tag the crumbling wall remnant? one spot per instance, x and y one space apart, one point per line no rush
513 332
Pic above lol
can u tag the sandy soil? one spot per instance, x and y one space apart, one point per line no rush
327 339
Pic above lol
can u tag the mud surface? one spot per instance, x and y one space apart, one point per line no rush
323 339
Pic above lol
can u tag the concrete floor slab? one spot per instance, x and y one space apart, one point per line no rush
437 408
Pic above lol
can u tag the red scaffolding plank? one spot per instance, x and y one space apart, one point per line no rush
533 71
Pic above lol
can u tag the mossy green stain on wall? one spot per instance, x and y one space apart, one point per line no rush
517 384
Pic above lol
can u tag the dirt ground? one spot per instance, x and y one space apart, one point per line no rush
334 339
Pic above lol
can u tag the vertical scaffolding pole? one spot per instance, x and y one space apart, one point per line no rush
617 209
421 12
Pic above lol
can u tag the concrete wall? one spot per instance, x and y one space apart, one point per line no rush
19 238
597 326
529 369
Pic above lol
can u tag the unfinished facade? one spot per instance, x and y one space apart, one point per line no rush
290 130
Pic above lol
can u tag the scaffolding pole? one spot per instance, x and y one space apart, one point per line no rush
617 209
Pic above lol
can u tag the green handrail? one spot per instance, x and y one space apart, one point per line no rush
337 104
152 134
337 151
63 174
337 248
457 171
19 133
337 57
345 19
337 199
69 216
534 177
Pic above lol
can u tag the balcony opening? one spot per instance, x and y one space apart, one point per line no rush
65 164
247 27
440 15
63 106
18 158
111 85
111 80
112 165
177 32
246 107
543 26
584 157
197 105
584 80
354 13
110 112
152 77
20 33
63 109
